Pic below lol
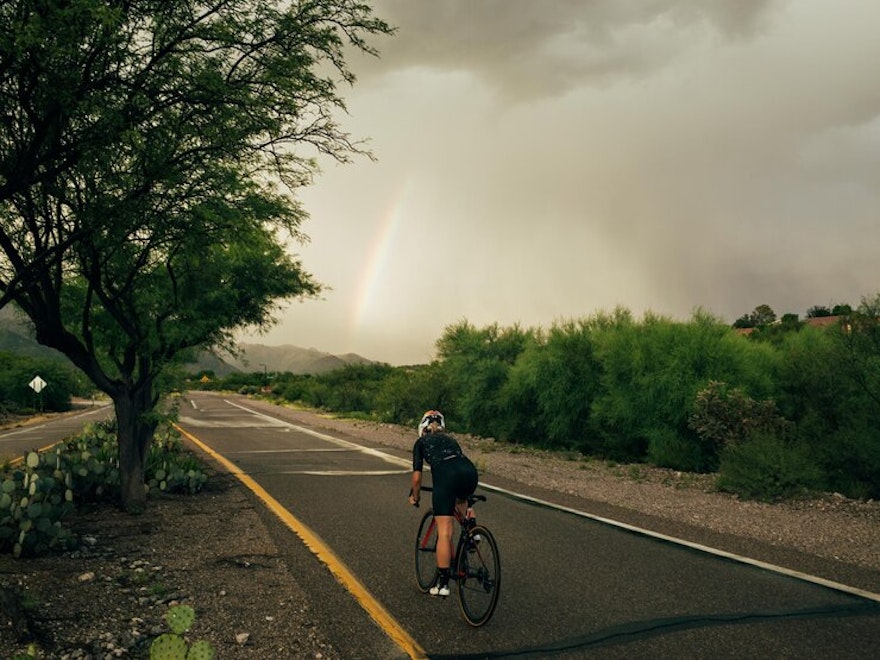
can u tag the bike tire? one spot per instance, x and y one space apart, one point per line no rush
426 553
478 572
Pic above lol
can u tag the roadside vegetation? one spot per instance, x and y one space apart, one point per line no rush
19 399
40 490
150 163
786 410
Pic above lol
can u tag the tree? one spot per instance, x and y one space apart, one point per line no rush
763 315
818 311
760 316
147 155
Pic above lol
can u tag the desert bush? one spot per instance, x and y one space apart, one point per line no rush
409 391
666 448
724 415
766 466
552 387
477 363
851 462
652 372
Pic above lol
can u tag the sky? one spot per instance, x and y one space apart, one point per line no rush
538 162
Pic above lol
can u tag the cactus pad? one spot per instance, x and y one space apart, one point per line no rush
168 647
201 650
180 618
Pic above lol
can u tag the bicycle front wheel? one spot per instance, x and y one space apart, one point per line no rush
426 552
478 571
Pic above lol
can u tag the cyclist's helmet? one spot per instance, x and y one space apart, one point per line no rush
431 417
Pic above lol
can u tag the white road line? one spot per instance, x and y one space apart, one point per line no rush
837 586
328 438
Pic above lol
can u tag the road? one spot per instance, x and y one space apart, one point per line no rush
14 442
572 586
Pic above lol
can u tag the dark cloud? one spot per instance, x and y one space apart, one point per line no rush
529 48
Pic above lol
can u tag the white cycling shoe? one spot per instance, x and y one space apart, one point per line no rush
439 590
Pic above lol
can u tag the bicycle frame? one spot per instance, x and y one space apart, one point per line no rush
475 564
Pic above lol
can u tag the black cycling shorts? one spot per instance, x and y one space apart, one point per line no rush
452 480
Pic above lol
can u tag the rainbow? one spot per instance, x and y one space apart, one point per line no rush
378 257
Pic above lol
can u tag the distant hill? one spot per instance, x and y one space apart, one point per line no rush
17 338
291 358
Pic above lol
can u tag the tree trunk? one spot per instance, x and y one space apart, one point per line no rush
134 434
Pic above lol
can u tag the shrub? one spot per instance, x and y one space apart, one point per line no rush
851 459
666 448
724 415
767 467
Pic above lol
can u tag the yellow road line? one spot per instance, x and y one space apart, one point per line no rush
339 570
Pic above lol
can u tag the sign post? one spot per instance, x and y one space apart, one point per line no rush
38 385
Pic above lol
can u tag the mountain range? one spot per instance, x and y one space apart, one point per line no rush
16 337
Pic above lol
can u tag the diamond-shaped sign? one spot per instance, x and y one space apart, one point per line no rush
37 384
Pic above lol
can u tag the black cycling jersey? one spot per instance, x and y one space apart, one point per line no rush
433 448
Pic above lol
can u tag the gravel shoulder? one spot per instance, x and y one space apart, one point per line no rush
108 599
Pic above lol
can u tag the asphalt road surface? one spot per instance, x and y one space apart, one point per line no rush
572 586
14 442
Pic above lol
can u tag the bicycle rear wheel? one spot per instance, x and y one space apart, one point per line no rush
426 552
478 572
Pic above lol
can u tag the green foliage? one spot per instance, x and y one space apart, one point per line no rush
828 386
552 388
762 315
16 372
768 467
666 448
651 373
724 416
798 409
408 391
354 388
851 464
818 311
159 212
478 362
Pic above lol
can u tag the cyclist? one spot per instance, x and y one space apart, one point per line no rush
454 479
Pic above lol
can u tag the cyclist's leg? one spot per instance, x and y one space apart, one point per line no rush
443 504
444 541
466 480
443 501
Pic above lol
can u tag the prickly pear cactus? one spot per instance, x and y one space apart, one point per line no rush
180 618
168 647
201 651
172 646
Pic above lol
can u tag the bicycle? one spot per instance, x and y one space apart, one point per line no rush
476 565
